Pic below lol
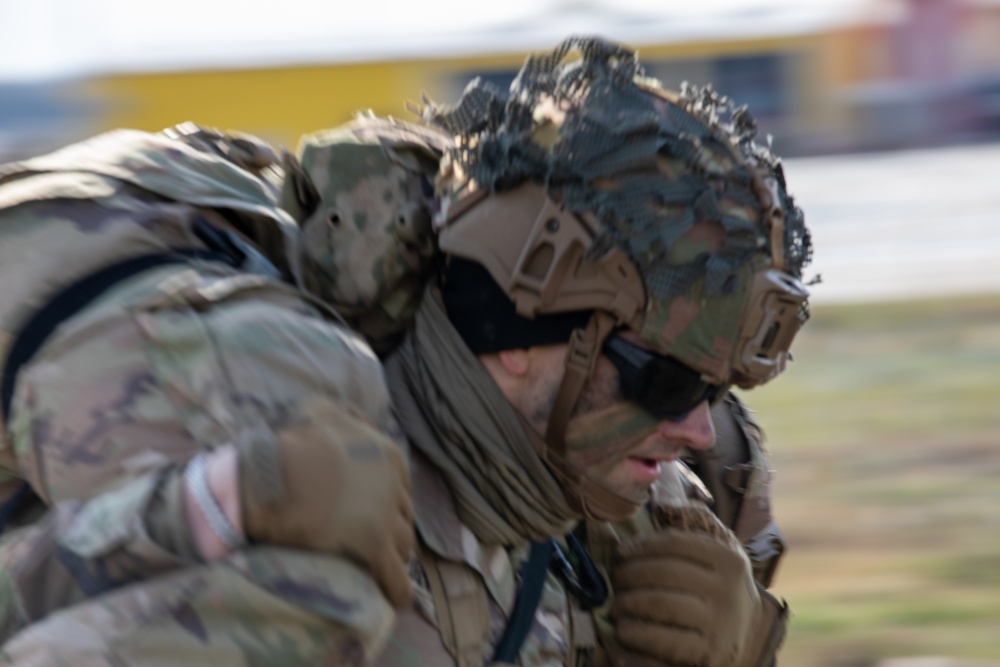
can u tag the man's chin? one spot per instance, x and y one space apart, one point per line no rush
640 497
637 494
631 500
631 490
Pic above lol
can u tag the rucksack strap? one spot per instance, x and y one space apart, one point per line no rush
21 498
461 606
533 575
65 304
74 298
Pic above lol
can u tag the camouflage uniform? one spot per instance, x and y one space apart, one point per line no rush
562 633
169 362
237 611
589 189
483 578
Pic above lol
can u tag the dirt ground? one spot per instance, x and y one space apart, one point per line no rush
885 435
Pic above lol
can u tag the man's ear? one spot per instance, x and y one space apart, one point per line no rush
508 369
515 362
299 196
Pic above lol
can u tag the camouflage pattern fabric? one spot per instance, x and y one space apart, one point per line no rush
368 245
173 363
170 362
562 633
177 361
416 639
115 197
266 606
448 626
675 181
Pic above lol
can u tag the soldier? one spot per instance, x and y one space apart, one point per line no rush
591 207
193 417
616 257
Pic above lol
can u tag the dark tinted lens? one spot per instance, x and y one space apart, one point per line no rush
659 384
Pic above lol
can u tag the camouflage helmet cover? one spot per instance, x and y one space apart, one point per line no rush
672 183
362 194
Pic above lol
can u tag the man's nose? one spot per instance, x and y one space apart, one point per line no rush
695 428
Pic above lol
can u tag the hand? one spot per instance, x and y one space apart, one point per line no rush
685 595
334 483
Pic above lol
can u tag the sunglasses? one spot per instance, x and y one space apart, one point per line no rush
661 385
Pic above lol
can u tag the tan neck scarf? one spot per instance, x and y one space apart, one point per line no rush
454 413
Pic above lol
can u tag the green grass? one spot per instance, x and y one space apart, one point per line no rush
885 433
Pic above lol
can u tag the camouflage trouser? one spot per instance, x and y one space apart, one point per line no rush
176 362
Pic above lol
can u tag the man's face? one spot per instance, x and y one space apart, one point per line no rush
615 442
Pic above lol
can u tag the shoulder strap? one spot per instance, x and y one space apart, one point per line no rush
21 498
461 606
532 581
74 298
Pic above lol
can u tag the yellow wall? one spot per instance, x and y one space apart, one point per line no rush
281 103
278 104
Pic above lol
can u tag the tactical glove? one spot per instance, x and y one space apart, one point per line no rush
331 482
685 595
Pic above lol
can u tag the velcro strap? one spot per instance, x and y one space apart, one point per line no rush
461 606
773 628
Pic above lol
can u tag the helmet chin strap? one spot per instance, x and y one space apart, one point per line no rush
585 494
581 360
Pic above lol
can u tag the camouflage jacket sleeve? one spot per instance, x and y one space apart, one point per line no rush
261 606
109 412
82 549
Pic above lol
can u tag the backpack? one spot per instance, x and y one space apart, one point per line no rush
75 222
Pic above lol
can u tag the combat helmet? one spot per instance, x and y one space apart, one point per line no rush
588 187
362 195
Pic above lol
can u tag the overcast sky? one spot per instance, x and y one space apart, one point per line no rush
52 38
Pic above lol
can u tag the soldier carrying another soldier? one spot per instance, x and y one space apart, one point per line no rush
606 259
193 417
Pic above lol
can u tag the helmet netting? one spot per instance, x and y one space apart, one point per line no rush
593 134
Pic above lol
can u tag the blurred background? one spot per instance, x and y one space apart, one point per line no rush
885 431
